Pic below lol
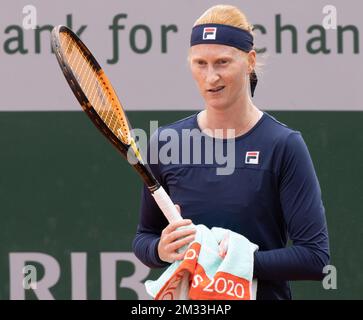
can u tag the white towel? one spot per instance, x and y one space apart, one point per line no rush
204 275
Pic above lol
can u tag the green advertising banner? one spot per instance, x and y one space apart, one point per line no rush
69 205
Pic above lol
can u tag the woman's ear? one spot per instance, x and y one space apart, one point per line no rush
251 60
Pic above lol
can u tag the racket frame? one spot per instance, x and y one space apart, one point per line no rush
161 197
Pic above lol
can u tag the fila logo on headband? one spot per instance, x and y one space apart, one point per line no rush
209 33
252 157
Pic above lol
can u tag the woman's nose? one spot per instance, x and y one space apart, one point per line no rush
212 76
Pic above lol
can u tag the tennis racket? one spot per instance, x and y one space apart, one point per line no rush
98 99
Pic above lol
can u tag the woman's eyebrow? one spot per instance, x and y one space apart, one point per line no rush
224 57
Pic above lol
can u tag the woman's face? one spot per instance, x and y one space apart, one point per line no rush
221 73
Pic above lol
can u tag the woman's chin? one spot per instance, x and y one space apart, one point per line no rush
216 104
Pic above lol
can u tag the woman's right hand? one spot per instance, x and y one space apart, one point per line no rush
172 239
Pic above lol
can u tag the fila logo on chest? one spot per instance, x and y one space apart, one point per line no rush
252 157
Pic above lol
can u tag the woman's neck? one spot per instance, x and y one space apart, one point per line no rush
240 118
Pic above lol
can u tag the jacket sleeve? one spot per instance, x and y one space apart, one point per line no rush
304 215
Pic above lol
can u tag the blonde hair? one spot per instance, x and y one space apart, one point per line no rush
225 14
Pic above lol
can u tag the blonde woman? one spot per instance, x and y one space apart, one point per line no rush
273 193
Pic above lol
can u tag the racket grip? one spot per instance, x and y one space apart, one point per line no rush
166 205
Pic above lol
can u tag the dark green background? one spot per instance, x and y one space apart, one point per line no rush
63 189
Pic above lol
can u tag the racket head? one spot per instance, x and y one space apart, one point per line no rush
97 97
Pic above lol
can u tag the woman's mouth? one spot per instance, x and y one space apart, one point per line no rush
216 89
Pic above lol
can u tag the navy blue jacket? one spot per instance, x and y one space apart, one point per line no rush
271 196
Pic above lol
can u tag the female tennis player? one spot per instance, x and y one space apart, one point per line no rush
272 194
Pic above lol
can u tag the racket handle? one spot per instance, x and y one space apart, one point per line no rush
166 205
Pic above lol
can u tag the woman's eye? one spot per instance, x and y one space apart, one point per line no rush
223 61
201 63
